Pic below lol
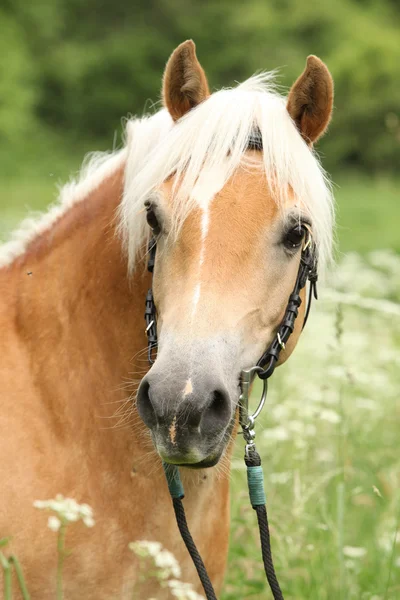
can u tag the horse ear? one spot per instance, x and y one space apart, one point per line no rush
310 100
185 83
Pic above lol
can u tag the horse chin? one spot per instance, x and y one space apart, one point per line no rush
195 459
191 460
204 464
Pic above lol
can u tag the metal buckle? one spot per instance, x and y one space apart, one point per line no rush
309 237
246 420
280 342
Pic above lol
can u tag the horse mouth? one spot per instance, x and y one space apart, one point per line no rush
190 459
197 453
203 464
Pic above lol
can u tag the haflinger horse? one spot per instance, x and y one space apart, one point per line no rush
227 216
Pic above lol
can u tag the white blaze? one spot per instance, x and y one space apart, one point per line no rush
208 185
188 387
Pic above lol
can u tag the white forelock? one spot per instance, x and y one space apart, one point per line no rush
215 135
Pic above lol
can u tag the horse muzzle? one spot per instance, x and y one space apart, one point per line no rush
190 419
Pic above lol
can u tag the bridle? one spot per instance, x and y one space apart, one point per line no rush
268 361
264 369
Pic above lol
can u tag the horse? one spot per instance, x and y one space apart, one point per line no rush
82 413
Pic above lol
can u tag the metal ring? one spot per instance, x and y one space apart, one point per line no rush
262 401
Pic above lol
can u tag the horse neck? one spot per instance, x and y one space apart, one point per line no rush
80 319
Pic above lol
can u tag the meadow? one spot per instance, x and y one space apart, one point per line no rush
329 433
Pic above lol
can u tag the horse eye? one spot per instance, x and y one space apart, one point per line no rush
294 238
152 219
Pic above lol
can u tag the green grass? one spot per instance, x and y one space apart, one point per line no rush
368 213
329 435
30 178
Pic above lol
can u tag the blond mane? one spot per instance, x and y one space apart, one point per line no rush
214 134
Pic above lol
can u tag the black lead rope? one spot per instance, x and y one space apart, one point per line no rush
264 369
191 547
258 501
177 494
255 480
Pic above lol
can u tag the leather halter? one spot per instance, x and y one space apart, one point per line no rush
267 362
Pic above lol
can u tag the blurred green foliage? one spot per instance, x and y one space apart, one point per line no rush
75 67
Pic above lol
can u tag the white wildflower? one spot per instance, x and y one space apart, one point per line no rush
183 591
164 561
67 510
354 551
376 491
88 521
329 415
86 510
167 562
54 523
145 549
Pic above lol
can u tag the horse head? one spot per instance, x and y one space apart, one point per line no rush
235 192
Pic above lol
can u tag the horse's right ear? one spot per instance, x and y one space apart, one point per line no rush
185 83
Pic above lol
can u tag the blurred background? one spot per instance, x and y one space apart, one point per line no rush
71 70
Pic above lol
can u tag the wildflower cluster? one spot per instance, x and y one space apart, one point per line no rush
167 569
66 510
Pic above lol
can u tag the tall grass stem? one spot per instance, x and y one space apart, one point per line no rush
5 565
13 560
60 562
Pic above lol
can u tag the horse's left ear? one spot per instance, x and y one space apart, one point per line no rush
185 83
310 100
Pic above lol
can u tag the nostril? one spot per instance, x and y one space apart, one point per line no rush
218 413
218 403
144 405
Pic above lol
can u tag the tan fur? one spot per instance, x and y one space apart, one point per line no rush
239 275
185 84
310 100
69 335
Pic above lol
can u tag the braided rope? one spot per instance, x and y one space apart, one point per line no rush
257 497
191 547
